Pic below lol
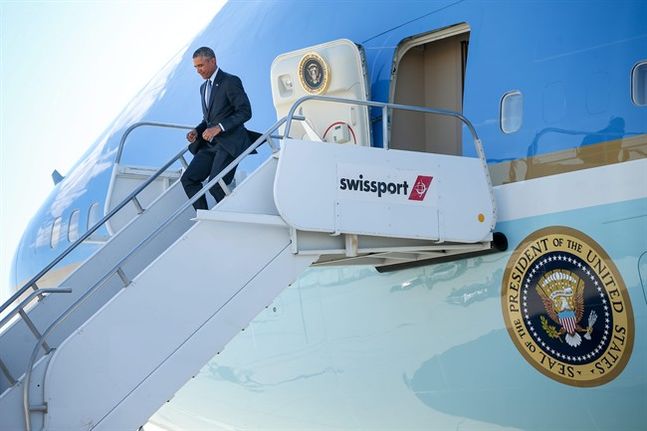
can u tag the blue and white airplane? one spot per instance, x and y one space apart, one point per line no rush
546 334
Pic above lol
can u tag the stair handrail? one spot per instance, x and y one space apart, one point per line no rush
385 107
124 137
32 283
29 298
15 299
27 408
385 126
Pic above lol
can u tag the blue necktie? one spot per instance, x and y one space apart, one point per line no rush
207 93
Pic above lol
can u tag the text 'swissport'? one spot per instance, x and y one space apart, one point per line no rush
372 186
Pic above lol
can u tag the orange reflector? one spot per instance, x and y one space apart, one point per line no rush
481 218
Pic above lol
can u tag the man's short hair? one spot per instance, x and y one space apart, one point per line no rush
204 51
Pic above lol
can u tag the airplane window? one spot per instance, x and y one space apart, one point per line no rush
56 232
93 215
639 84
511 111
73 227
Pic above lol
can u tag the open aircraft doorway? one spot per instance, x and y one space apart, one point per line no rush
429 70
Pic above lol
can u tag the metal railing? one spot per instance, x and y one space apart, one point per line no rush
20 309
116 269
385 114
122 142
32 283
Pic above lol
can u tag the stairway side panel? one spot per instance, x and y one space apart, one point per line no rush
144 324
211 338
167 303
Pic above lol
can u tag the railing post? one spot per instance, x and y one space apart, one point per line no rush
7 374
124 278
34 286
385 127
183 161
34 330
224 187
270 142
138 205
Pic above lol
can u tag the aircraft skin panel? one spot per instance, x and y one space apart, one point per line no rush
588 188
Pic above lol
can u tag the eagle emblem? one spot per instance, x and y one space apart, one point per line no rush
566 307
314 73
562 293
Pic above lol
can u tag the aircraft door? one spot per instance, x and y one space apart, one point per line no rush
429 70
336 69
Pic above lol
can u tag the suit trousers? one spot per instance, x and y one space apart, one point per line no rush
208 162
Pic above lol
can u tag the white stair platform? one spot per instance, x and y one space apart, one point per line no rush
324 187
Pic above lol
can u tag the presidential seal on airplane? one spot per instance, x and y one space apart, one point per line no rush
566 307
314 73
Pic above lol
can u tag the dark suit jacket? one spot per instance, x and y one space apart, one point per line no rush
229 106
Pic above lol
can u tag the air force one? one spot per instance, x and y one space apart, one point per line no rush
444 228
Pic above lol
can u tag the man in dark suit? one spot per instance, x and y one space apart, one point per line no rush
221 136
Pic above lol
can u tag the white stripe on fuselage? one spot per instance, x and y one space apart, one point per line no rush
608 184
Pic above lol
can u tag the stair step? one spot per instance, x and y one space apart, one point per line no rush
239 217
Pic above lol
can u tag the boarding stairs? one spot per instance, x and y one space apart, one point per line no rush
169 289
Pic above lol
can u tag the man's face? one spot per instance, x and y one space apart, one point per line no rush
204 66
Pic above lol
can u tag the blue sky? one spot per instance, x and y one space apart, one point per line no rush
67 68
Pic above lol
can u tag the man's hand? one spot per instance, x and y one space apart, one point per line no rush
209 134
192 135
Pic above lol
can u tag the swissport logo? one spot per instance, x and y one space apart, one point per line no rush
384 189
420 188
